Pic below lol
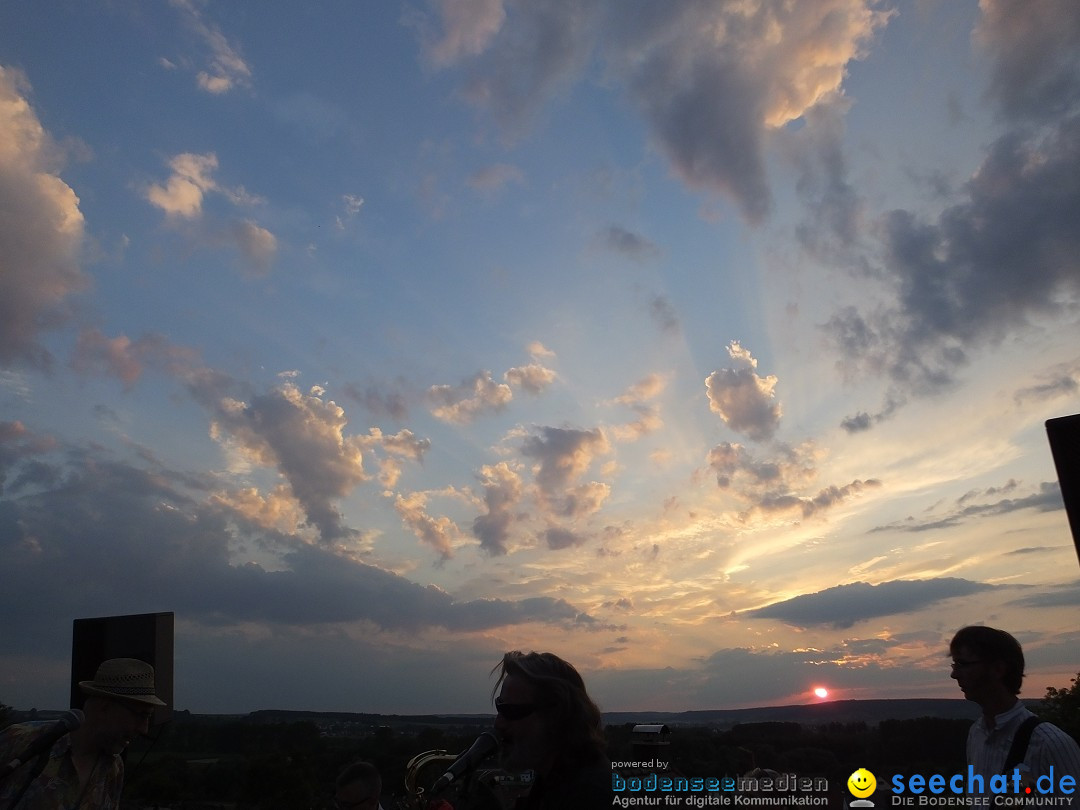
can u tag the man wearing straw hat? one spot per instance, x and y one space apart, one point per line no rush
83 768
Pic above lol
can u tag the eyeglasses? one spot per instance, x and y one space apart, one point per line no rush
514 711
964 664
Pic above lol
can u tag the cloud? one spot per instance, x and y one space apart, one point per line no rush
664 315
563 455
502 491
834 209
183 547
1067 595
257 245
127 359
301 435
461 404
41 232
182 198
710 80
1046 499
389 451
468 28
518 62
630 245
493 178
17 444
534 377
557 539
1036 71
644 389
585 499
380 402
1061 380
439 533
538 351
778 485
637 398
845 605
182 194
743 399
1008 253
226 69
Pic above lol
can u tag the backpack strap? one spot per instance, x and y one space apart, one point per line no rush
1020 743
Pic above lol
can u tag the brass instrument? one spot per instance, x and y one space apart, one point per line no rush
484 789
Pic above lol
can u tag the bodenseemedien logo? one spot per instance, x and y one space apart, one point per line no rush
862 785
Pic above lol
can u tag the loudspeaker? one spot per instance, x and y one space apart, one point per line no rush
146 636
1064 435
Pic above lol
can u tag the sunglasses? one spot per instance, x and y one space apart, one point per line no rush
514 711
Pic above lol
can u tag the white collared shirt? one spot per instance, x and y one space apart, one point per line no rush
987 749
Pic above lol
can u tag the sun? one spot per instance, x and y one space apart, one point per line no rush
821 692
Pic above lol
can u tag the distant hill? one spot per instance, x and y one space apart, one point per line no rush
870 712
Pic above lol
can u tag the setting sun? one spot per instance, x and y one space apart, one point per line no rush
821 692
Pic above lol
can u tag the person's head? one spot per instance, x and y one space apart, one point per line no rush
110 724
543 713
120 703
358 787
984 657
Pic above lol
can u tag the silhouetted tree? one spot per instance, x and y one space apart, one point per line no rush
1062 707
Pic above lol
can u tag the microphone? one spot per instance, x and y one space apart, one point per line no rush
68 722
484 745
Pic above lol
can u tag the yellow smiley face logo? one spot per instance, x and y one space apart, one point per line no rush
861 783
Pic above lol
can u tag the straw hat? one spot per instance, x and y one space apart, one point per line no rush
123 679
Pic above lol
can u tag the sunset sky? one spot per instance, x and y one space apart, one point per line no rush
706 344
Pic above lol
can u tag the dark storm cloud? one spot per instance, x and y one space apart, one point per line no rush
711 80
112 538
1036 70
845 605
1009 252
1046 499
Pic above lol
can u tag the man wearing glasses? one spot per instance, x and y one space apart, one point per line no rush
988 665
358 788
547 723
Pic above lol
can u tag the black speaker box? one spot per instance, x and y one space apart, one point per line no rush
146 636
1064 435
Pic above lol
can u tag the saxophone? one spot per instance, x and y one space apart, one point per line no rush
484 789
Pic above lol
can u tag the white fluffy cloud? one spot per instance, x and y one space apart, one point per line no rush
744 400
462 403
41 231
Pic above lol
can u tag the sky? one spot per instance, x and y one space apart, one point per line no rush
708 345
